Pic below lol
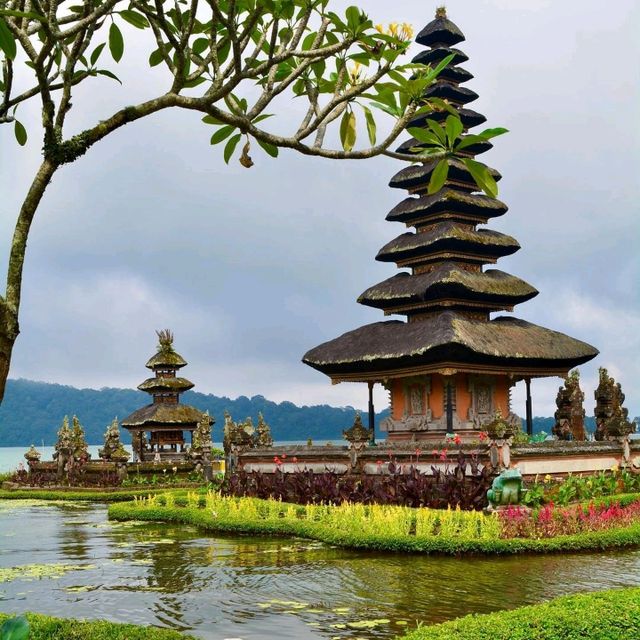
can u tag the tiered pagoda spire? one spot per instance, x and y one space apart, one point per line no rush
449 365
165 419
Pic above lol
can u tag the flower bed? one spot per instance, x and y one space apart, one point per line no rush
381 527
606 615
45 628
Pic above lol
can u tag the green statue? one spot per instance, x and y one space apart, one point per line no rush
506 489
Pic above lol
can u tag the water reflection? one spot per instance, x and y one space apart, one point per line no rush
256 588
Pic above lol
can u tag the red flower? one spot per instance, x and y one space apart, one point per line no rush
435 453
483 435
378 462
457 439
284 456
443 455
295 459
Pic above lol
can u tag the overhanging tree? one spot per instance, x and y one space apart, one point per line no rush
228 60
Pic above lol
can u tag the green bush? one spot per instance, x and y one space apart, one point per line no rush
89 495
606 615
48 628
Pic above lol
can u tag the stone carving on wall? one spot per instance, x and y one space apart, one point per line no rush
416 400
570 413
612 419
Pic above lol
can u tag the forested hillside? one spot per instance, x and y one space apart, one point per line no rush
32 412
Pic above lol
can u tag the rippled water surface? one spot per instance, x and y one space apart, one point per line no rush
68 560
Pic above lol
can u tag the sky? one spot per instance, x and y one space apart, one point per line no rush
251 268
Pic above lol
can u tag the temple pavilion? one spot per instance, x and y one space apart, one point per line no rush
449 367
158 429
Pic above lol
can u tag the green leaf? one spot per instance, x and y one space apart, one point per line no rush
348 130
438 176
385 108
371 125
156 58
353 15
468 140
108 74
262 117
487 134
432 75
438 130
271 149
222 134
200 45
454 127
482 177
116 42
7 41
15 629
134 18
230 147
23 14
96 53
426 137
211 120
21 135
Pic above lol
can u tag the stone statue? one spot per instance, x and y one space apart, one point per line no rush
499 428
506 489
80 447
358 432
202 436
570 414
263 435
64 446
113 448
612 419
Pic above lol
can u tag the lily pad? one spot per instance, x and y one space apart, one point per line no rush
39 571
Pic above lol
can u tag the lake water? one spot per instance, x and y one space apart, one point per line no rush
68 560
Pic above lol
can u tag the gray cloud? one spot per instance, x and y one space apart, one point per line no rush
252 268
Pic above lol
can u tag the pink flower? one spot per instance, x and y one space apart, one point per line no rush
483 435
435 453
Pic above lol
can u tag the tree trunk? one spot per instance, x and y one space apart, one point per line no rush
10 304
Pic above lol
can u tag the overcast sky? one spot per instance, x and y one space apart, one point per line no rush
251 268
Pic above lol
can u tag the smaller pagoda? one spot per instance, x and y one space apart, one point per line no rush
158 430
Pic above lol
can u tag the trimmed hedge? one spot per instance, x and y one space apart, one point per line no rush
48 628
599 540
87 495
604 615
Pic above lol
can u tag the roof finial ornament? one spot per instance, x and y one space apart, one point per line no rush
441 12
165 338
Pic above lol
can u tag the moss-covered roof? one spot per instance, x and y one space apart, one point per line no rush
440 31
178 415
165 384
416 176
447 91
449 282
169 359
504 343
447 236
468 117
445 204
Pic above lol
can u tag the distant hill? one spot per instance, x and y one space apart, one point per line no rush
32 412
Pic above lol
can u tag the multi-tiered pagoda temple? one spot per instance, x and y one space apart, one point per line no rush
449 367
165 420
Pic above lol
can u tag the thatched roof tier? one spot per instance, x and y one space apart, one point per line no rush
481 246
447 91
415 177
468 117
434 56
455 75
446 343
412 143
166 359
447 204
177 416
166 384
449 282
440 31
